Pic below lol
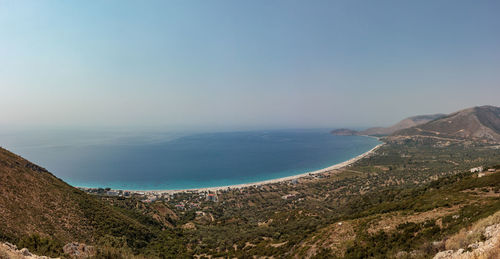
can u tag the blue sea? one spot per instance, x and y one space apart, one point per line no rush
178 161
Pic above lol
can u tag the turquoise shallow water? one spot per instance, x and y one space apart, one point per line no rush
196 161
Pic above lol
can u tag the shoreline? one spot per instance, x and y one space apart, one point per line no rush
259 183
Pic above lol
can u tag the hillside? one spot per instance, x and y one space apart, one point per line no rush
477 123
41 212
34 201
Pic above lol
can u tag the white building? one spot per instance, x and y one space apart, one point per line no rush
476 169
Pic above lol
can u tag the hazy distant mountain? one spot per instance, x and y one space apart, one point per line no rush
344 132
404 124
477 123
381 131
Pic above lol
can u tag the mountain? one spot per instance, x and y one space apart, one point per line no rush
344 132
381 131
406 123
477 123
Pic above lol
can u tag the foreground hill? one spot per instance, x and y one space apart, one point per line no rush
477 123
41 212
381 131
34 201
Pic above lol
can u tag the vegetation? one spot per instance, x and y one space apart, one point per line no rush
41 245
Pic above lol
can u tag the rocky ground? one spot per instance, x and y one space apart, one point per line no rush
73 250
10 251
489 248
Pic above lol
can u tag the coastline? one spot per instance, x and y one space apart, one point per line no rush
259 183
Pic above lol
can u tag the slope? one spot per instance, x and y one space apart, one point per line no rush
477 123
33 202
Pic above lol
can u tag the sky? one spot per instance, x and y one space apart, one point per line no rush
260 64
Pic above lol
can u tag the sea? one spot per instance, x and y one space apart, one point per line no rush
172 161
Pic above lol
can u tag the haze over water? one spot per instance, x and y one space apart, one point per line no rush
170 161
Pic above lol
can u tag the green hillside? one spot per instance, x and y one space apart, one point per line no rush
35 205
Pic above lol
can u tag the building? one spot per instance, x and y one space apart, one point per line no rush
476 169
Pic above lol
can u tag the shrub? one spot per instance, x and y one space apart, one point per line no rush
41 246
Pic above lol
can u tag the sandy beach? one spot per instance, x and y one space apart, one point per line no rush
277 180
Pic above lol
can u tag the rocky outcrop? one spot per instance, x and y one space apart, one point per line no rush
490 248
72 250
36 168
78 250
10 251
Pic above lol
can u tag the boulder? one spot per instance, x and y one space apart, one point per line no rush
25 252
78 250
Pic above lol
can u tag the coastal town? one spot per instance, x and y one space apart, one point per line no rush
211 193
192 198
150 196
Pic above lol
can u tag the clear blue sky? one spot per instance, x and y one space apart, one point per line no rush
244 64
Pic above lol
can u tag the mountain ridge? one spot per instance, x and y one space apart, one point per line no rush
480 123
385 131
403 124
